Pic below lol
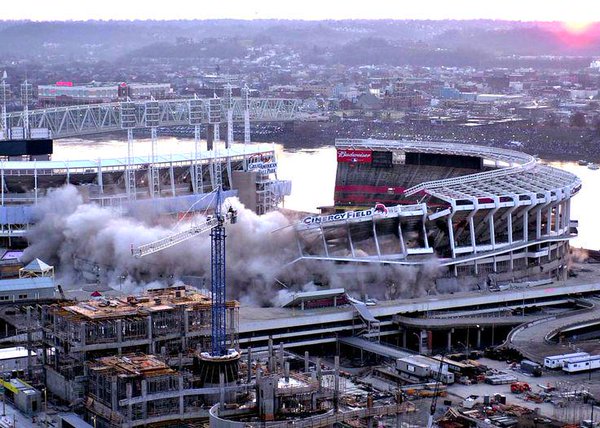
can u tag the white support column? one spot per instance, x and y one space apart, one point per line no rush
3 184
324 242
35 182
350 240
229 174
533 200
376 240
547 202
196 167
229 127
568 214
561 216
451 235
558 212
211 170
509 218
565 214
246 99
172 176
99 177
217 132
473 242
526 224
246 127
424 220
129 172
509 227
491 214
401 237
471 221
154 171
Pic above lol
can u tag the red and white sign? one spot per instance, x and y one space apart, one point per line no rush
64 83
356 156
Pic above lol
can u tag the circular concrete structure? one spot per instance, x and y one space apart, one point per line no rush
478 211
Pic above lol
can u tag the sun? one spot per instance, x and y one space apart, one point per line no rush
577 27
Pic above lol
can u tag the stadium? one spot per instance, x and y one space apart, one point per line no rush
152 186
480 212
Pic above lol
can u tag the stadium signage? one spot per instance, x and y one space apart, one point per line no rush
263 167
378 210
357 156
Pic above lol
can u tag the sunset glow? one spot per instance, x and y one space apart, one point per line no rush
578 27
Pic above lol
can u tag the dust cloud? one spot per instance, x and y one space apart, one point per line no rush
84 240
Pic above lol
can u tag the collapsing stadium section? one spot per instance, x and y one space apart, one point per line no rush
479 211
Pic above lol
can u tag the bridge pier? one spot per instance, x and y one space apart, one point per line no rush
449 344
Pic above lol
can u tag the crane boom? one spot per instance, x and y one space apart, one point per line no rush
436 392
175 239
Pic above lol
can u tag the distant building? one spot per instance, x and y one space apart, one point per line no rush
346 104
406 100
67 93
580 94
369 102
447 93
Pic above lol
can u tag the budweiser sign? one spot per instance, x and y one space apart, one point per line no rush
358 156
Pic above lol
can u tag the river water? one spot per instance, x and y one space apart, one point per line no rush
313 176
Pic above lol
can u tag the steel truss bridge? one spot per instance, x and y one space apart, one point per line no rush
78 120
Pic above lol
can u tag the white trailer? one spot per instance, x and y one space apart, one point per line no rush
581 364
556 361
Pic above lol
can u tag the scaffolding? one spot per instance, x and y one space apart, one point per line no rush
170 322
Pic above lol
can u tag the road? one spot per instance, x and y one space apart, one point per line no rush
530 339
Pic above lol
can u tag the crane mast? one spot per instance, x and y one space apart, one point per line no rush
216 225
436 392
217 271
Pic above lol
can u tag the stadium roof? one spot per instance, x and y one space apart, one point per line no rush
516 174
234 151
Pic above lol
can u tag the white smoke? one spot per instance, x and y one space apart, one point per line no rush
69 233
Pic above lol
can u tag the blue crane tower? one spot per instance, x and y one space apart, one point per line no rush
216 225
218 286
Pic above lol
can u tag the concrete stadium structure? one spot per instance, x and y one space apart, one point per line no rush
155 183
479 211
180 178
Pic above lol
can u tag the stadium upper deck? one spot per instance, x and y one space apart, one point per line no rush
479 210
180 177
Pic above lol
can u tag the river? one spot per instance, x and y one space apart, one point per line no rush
312 172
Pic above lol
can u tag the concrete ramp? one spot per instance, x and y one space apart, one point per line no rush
377 348
365 313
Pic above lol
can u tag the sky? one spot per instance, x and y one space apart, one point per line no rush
575 11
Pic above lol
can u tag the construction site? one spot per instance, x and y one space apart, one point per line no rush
482 254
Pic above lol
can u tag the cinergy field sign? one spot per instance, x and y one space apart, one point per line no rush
358 156
377 210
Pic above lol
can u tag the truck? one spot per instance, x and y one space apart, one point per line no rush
531 368
519 387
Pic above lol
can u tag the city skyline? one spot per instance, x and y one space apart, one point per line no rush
576 13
